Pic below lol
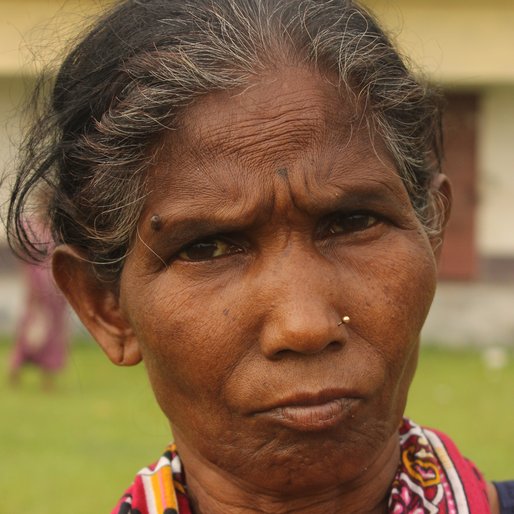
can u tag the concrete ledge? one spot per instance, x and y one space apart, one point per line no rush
472 314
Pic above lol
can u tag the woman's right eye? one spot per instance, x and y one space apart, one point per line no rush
209 249
350 223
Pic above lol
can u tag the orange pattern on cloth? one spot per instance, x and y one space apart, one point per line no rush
434 478
157 489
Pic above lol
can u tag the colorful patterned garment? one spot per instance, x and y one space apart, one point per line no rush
432 478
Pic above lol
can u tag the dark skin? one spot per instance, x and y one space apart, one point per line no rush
272 217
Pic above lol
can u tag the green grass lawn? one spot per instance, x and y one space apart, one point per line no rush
456 392
76 449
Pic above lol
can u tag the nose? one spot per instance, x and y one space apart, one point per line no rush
303 318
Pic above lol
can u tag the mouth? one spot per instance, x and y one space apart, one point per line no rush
313 412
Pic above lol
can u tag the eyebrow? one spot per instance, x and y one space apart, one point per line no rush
178 233
184 229
374 192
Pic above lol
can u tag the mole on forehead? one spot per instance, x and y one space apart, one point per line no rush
156 222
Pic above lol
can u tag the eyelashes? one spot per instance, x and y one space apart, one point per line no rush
220 246
349 223
209 248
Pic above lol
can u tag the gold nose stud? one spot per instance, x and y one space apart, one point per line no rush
344 321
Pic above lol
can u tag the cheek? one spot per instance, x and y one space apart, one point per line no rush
188 341
398 290
411 290
397 286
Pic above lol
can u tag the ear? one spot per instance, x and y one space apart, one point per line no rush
441 197
96 304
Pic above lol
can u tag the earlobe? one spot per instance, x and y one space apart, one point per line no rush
96 304
441 200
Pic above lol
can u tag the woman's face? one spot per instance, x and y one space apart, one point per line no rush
277 216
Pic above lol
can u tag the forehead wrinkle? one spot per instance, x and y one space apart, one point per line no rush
286 120
259 138
238 215
230 195
239 179
343 167
185 169
363 155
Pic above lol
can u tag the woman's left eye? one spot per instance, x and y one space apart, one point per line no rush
208 249
349 223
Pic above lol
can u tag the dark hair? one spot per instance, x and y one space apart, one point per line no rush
126 82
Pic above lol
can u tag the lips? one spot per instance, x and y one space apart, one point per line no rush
313 412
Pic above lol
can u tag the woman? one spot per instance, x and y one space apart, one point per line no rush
247 196
41 335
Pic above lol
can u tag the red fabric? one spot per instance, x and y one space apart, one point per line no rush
472 480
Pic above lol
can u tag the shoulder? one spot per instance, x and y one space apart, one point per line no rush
501 495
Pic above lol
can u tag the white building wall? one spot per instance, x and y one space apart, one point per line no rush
12 93
496 172
459 42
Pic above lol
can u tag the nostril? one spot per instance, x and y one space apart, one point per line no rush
334 346
281 354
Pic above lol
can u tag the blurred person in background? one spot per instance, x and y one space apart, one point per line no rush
42 335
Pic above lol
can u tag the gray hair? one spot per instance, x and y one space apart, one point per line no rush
144 62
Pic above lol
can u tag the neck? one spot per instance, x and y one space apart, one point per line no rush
216 491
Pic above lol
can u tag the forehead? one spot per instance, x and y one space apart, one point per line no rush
292 124
278 112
